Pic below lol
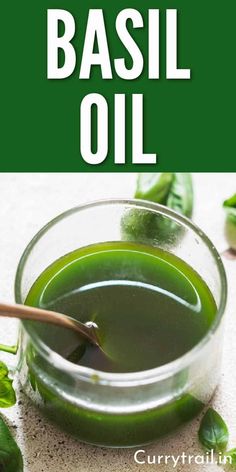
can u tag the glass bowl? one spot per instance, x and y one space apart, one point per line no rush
128 409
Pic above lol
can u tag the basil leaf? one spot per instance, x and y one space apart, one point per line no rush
138 225
10 455
3 370
172 190
7 393
230 457
230 230
180 197
154 187
230 202
213 433
230 223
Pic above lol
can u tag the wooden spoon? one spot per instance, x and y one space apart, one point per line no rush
24 312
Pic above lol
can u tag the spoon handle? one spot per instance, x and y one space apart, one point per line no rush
25 312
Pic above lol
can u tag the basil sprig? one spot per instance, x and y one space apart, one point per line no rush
230 224
213 432
10 455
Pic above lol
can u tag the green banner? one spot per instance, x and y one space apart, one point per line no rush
118 86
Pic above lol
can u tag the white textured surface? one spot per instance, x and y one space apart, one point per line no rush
28 201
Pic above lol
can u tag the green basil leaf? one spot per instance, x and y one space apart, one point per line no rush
7 393
180 196
3 370
138 225
213 433
180 199
230 223
230 230
154 187
172 190
230 457
230 202
10 454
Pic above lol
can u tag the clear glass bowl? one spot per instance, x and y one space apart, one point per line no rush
121 410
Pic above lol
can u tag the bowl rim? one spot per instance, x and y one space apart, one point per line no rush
140 377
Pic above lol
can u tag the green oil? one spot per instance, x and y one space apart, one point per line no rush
150 306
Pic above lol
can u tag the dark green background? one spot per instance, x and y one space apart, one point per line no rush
190 124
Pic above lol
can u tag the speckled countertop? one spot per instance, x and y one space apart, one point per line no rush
27 202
